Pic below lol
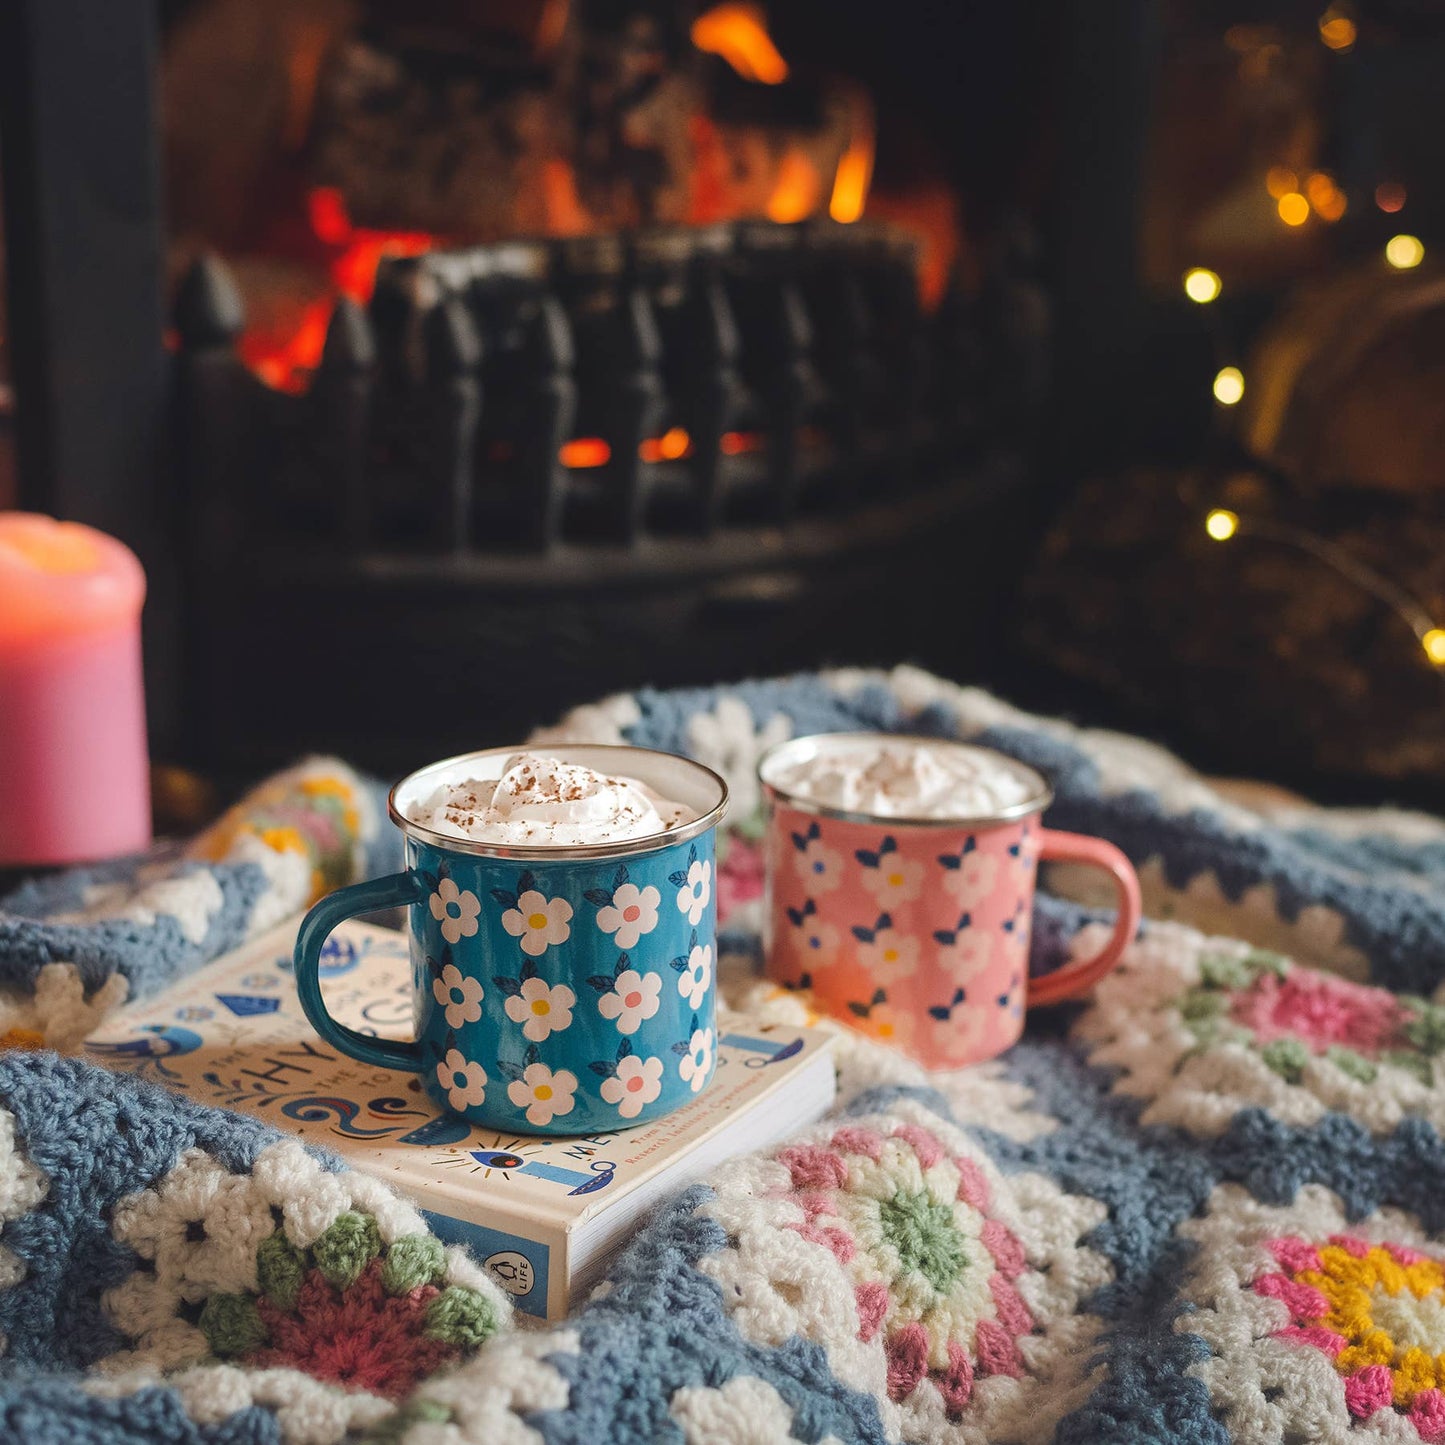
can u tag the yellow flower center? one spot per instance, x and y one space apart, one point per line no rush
890 955
536 920
895 880
541 1006
542 1091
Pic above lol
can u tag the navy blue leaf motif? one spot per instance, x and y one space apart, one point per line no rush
679 1048
451 1039
939 1011
945 936
527 882
867 859
879 996
1003 1000
624 1050
531 1055
437 1051
958 997
509 1069
529 968
679 964
949 861
509 986
885 920
888 845
677 877
861 1009
507 900
1014 851
601 982
864 935
623 964
598 897
620 877
601 1069
796 914
969 844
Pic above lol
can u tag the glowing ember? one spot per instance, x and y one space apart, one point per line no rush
583 453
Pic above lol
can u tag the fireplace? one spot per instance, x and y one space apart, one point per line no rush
518 353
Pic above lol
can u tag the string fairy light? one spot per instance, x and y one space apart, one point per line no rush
1202 285
1228 386
1222 525
1404 253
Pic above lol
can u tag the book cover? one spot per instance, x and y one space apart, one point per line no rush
233 1034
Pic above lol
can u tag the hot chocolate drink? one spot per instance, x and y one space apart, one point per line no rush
538 801
904 778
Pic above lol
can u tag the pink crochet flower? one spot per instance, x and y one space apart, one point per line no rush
739 876
361 1338
1319 1010
931 1267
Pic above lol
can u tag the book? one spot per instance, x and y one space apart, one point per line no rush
542 1214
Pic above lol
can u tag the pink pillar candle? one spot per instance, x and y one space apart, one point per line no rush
74 777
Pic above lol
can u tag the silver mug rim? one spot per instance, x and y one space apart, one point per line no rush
564 852
1036 803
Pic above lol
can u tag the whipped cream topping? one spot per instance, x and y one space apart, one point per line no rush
541 802
906 780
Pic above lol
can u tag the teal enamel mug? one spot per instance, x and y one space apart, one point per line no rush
558 989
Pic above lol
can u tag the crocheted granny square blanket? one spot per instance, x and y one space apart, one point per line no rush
1206 1205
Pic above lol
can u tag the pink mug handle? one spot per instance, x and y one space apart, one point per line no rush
1080 976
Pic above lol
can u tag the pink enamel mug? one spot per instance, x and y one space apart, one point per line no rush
916 929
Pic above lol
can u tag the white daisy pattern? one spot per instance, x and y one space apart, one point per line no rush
459 995
694 887
820 869
540 922
969 954
464 1080
696 1062
541 1008
969 876
636 1082
544 1093
888 875
455 909
886 953
631 998
631 914
818 938
694 973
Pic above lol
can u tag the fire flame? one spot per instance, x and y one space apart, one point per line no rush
355 255
738 33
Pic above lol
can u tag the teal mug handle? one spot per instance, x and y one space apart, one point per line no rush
396 890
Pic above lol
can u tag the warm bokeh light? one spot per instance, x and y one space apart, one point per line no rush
1280 181
1201 285
740 443
1404 253
1390 197
1434 644
1325 196
1337 30
1294 210
739 34
584 452
1221 524
1229 386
